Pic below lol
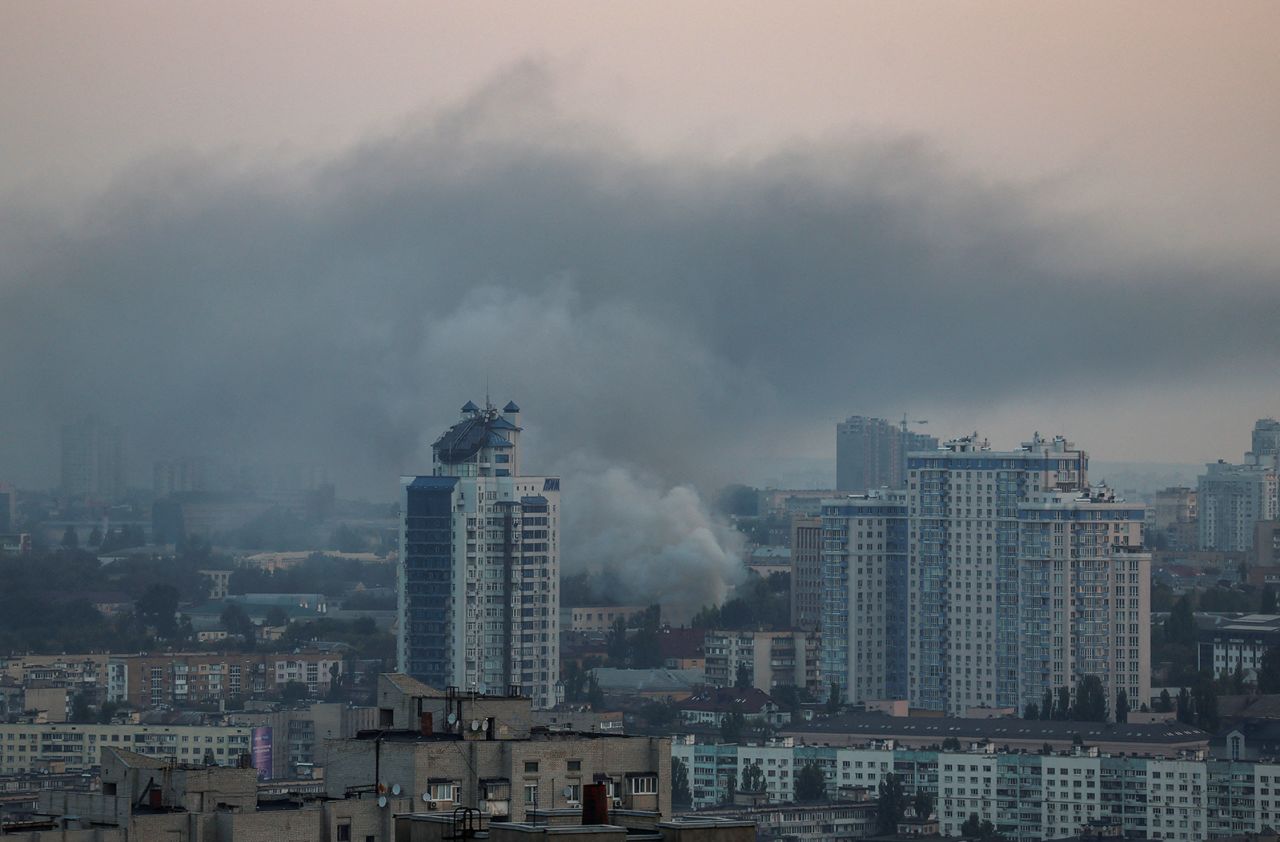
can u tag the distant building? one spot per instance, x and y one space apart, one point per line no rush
92 459
712 705
1236 642
192 678
1231 500
1175 515
872 453
806 572
648 683
599 618
682 649
30 746
173 476
771 659
1266 543
1266 438
480 564
8 509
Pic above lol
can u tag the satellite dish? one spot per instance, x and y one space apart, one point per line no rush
475 725
382 800
568 791
426 796
451 718
395 789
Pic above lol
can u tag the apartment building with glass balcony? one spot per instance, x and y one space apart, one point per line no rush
480 564
864 594
990 533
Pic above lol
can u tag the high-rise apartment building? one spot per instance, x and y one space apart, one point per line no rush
1084 584
989 623
1266 438
1231 500
92 459
806 572
480 564
871 453
864 594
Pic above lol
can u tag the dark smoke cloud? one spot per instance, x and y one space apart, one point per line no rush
671 314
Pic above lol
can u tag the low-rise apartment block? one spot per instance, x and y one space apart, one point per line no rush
180 679
771 659
1026 795
25 746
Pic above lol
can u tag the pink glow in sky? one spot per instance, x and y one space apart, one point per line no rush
1162 110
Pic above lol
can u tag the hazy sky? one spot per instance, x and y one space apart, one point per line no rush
685 236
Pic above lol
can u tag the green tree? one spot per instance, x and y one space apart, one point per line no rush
80 709
95 537
1269 671
595 696
277 616
70 540
1267 603
742 680
1031 711
616 648
950 744
347 540
294 691
1166 701
1091 700
1185 712
738 500
983 830
733 725
1122 706
752 778
680 793
922 804
1204 697
811 784
833 700
1180 627
158 607
1046 704
891 804
1062 710
730 786
235 620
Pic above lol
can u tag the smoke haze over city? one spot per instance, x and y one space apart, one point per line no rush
686 318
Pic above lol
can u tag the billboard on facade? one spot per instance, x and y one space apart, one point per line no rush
260 749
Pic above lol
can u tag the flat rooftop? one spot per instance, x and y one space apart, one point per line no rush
882 726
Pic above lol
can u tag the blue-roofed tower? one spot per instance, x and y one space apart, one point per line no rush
480 569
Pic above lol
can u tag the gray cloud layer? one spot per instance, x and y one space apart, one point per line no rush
668 314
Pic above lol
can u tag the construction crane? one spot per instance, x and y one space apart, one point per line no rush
906 421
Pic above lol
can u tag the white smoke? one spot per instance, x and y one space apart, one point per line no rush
643 542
